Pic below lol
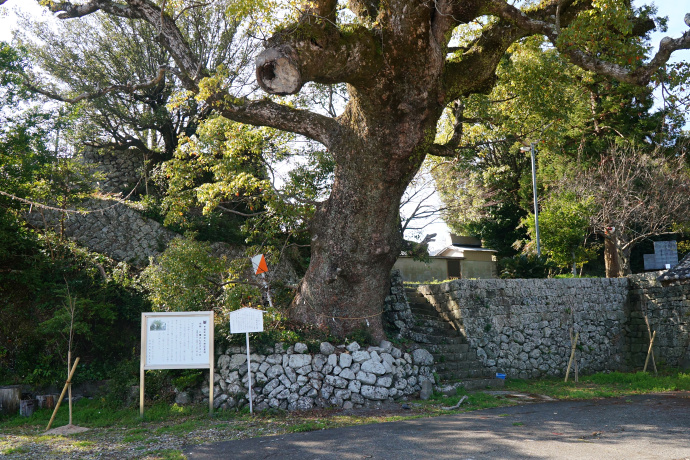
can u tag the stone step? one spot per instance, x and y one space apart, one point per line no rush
427 314
435 323
448 348
435 339
430 330
422 318
416 303
471 384
453 356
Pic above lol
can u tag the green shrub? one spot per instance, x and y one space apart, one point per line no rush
526 266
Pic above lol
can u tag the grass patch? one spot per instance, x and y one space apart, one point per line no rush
85 444
166 454
187 426
603 385
135 438
92 413
474 401
308 426
15 450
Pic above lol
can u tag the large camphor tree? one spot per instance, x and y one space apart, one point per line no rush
402 70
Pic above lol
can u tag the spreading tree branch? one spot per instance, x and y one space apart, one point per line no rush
313 52
68 10
131 89
537 25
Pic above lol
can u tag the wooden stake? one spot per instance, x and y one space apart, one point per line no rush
649 352
576 367
572 356
69 388
62 395
649 331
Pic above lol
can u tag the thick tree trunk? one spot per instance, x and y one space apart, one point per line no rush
355 242
616 258
356 235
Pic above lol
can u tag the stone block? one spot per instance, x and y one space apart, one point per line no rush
345 360
374 393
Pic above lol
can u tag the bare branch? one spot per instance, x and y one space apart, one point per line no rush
100 93
243 214
268 113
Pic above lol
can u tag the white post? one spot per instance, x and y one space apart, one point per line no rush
142 369
268 291
249 375
536 202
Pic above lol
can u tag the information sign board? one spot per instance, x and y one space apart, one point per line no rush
246 320
178 340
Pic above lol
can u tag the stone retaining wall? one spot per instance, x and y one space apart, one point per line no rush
342 376
122 170
668 311
398 320
112 228
522 327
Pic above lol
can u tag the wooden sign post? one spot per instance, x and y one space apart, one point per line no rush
247 320
176 340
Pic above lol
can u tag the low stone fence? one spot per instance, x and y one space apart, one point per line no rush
342 376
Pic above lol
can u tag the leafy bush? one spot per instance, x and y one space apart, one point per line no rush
526 266
34 278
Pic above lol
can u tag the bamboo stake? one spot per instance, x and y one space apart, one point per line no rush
649 352
69 388
572 356
649 331
576 367
62 395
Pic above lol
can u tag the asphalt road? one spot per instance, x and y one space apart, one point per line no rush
635 427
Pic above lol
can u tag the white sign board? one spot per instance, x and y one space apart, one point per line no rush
177 340
246 320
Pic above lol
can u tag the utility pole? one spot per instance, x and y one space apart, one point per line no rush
532 149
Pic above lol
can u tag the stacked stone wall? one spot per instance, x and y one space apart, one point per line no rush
398 319
121 170
342 376
110 227
522 327
667 309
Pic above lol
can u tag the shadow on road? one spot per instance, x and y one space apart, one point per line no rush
646 426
